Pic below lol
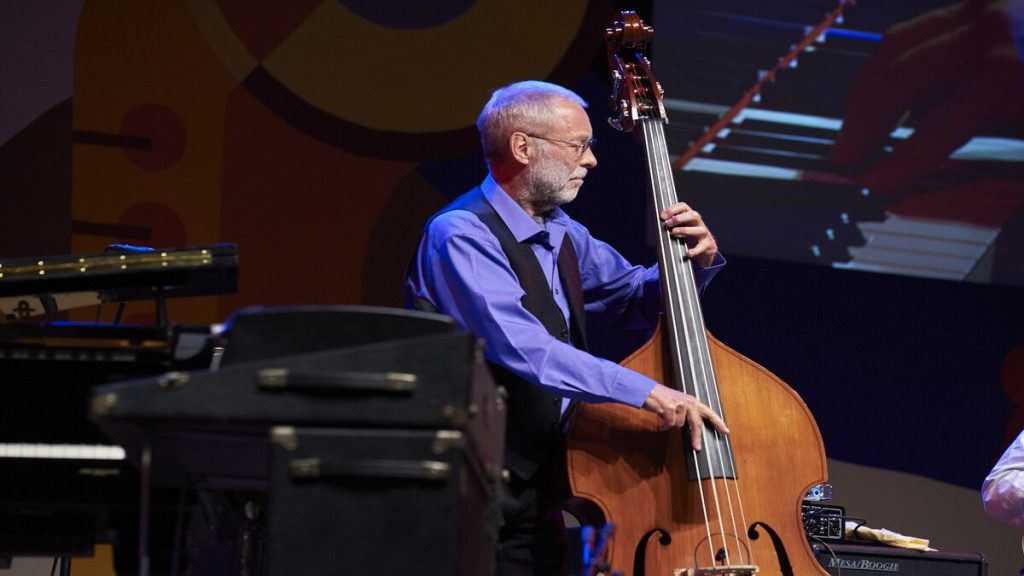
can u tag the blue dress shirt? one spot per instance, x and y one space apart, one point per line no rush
464 273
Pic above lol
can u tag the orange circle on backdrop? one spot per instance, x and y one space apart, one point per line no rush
165 226
163 128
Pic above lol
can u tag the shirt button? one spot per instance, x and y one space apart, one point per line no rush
556 291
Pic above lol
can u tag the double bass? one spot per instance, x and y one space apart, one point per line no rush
733 508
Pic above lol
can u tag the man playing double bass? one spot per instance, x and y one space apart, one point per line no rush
509 265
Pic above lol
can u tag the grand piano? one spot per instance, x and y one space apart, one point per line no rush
65 485
240 439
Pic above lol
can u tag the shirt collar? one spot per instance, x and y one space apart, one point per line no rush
523 227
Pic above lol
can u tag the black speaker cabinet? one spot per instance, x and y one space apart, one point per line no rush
886 561
379 501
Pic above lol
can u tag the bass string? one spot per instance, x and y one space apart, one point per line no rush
709 378
674 302
669 281
698 360
683 319
683 310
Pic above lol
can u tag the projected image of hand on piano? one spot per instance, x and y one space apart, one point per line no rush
863 136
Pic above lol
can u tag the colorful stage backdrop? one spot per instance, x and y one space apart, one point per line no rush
319 135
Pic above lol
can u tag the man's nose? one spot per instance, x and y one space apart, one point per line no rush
588 160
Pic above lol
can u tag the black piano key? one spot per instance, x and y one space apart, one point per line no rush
679 135
814 132
770 157
818 85
772 218
797 144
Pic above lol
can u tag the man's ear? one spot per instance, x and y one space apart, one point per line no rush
519 145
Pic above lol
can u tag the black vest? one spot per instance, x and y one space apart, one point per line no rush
534 420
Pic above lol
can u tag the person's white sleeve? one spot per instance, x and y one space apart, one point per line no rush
1002 493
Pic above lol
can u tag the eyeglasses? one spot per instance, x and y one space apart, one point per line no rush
581 149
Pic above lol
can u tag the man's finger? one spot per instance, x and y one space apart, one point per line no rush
697 435
717 422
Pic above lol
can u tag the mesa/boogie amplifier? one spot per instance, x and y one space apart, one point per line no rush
885 561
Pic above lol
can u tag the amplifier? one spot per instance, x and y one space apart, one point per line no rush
884 561
823 522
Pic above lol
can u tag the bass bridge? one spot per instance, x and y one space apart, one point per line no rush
738 570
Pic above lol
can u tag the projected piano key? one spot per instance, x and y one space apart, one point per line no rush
918 247
776 156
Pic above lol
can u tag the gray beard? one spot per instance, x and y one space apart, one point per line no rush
548 186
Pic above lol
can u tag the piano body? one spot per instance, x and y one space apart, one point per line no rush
65 485
110 433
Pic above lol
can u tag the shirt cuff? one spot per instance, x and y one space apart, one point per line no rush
716 264
633 388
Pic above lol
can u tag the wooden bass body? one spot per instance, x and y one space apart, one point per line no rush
637 476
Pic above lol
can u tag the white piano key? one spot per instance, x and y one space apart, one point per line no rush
991 148
941 263
61 451
922 245
926 228
982 148
730 168
889 269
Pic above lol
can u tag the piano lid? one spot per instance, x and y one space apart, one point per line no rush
46 284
